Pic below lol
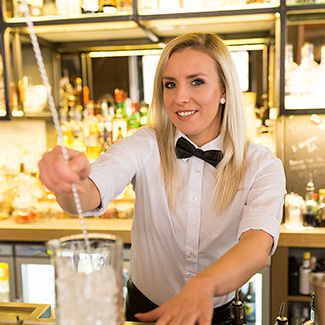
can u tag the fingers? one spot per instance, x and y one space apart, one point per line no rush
58 175
151 316
176 316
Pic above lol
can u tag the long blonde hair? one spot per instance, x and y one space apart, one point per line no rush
229 172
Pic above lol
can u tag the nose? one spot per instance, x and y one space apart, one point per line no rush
182 95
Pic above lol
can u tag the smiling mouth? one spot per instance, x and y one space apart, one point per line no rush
186 114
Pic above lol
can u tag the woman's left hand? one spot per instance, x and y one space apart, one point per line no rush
193 305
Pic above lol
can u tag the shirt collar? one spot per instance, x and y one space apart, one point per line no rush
215 144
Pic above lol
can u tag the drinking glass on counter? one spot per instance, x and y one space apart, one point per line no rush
88 279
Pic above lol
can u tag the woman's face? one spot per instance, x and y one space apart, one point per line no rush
192 94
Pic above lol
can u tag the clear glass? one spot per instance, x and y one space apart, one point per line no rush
88 282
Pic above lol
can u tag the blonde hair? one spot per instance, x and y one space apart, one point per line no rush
229 172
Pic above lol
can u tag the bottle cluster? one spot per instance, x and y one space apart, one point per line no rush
304 82
15 8
102 123
314 208
122 7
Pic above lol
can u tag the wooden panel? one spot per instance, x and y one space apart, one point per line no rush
279 281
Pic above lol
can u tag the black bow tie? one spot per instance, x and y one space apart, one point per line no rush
185 149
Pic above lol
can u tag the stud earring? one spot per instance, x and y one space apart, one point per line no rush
222 100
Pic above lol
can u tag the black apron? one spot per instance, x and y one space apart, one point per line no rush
137 302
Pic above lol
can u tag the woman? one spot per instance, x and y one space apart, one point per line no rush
202 225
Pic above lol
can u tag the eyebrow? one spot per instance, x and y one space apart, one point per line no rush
188 77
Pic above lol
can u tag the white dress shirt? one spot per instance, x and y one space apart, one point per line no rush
171 246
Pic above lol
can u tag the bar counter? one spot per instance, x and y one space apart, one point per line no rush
44 229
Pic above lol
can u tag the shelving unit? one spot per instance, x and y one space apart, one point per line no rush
256 23
308 239
141 30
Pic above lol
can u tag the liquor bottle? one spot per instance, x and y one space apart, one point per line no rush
93 147
65 127
311 206
77 129
250 305
144 111
120 104
237 310
307 78
105 126
119 129
321 207
281 319
304 272
134 119
290 82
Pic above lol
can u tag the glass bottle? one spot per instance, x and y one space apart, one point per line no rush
93 147
65 127
321 207
105 126
306 78
291 69
77 129
304 272
237 310
144 111
250 304
134 119
281 319
311 206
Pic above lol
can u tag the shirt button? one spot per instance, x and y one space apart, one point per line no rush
194 198
192 254
197 170
194 226
190 275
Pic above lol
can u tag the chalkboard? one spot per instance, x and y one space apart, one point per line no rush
304 152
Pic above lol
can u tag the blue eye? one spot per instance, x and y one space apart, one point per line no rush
197 82
169 84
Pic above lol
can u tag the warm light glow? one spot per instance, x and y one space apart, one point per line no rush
104 54
17 113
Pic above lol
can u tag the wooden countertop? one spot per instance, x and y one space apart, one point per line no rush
43 229
304 237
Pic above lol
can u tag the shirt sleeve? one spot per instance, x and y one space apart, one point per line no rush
115 169
264 205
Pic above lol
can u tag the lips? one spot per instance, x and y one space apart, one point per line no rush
186 113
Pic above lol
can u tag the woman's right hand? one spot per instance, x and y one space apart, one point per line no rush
57 175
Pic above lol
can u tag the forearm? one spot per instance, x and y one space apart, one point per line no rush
238 265
89 198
